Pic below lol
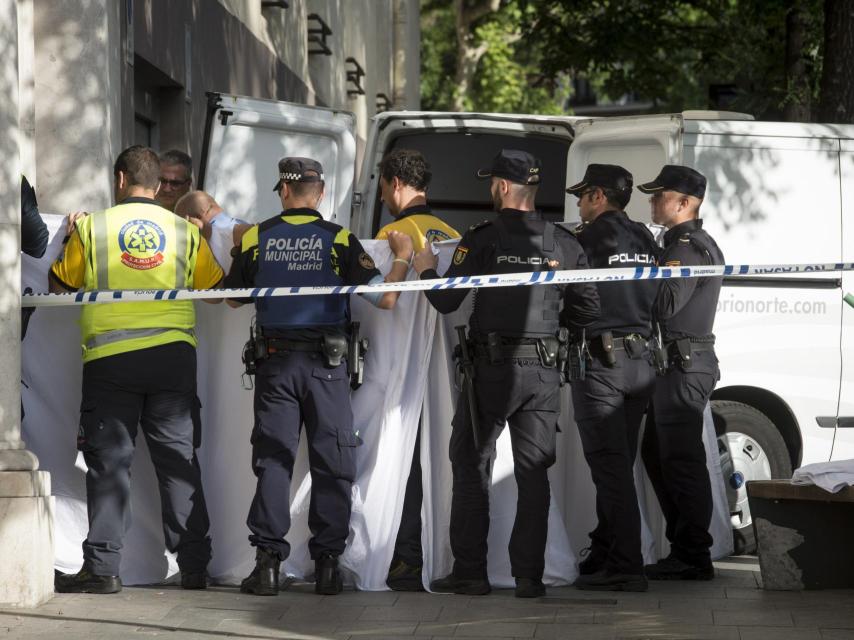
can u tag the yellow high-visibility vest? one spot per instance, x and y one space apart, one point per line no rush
136 246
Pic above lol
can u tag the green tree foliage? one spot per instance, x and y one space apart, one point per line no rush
672 52
759 56
508 77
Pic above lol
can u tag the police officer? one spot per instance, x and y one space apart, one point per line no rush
302 372
513 331
139 368
404 178
610 402
673 451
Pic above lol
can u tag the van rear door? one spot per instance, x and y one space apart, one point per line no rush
244 139
455 146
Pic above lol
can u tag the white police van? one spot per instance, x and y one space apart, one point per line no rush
779 193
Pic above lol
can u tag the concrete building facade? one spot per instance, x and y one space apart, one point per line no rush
110 73
82 79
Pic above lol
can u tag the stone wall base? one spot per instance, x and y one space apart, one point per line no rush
26 538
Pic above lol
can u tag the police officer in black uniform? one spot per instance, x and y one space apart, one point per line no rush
515 380
610 402
302 371
685 308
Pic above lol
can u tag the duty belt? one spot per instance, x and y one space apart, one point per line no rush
620 343
275 345
509 351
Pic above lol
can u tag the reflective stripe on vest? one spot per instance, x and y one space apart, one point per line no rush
118 335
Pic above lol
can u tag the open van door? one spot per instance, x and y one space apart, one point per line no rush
455 146
244 139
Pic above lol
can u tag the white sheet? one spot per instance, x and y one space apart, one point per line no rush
831 476
408 373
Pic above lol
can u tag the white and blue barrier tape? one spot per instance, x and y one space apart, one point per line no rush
574 276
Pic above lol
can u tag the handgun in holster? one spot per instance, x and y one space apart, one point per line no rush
356 351
547 349
254 351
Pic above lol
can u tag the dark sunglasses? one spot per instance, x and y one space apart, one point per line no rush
173 183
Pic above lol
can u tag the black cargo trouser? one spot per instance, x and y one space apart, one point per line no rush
525 395
609 405
155 389
675 457
291 389
407 546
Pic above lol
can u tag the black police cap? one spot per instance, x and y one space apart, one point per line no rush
514 165
674 177
604 176
298 170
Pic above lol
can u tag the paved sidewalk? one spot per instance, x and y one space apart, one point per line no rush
730 607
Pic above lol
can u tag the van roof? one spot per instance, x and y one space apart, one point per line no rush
695 121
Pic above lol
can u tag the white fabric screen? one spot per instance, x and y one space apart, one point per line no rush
409 373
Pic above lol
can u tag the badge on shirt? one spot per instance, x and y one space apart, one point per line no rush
436 235
460 255
366 261
673 263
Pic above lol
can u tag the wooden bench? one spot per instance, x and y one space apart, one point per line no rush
804 534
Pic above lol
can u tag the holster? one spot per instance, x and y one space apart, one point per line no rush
547 348
356 357
254 351
635 346
578 358
563 354
334 349
684 352
607 341
659 356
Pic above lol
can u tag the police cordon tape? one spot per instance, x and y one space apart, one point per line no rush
574 276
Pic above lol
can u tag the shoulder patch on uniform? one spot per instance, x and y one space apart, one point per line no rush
366 261
460 255
480 225
436 235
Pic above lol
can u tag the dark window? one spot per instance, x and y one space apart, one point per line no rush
456 195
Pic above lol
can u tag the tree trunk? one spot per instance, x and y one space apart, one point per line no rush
837 76
799 92
468 54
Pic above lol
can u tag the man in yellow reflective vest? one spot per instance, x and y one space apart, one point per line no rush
404 178
139 369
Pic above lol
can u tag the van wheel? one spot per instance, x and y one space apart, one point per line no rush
751 448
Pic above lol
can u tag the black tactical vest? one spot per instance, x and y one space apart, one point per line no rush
696 319
520 311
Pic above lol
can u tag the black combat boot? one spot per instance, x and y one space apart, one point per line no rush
529 588
327 578
264 579
462 586
194 580
86 582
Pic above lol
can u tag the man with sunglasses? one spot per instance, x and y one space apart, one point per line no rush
176 177
609 403
673 443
